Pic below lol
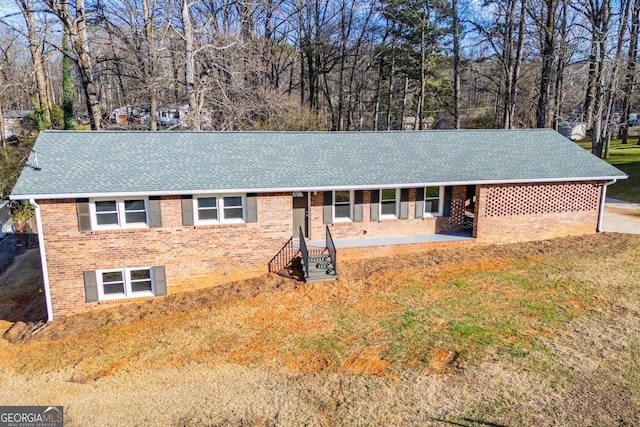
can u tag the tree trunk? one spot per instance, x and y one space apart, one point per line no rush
67 80
392 71
562 58
3 135
151 64
600 19
542 113
456 63
630 77
42 98
190 66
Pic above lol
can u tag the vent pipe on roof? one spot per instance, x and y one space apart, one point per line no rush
35 165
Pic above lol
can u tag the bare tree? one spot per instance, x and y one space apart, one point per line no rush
76 23
455 29
598 14
630 75
548 29
42 99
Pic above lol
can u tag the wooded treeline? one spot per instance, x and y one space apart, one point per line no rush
323 64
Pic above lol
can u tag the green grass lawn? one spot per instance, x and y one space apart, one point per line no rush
627 159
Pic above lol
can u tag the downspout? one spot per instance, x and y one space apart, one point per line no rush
43 261
602 200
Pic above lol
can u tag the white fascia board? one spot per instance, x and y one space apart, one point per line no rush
309 189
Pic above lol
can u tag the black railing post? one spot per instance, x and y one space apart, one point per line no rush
331 247
305 254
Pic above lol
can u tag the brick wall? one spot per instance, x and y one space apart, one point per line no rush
411 226
193 257
512 213
200 256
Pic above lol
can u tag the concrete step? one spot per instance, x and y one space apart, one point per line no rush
320 269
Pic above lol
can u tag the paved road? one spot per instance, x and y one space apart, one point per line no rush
621 217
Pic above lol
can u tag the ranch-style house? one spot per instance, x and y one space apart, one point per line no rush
143 214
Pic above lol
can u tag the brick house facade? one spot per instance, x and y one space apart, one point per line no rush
103 246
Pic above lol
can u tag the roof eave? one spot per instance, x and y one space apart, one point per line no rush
311 188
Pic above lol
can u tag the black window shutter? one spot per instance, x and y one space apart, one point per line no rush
84 215
375 205
448 191
160 280
252 207
404 203
155 213
187 211
90 286
327 207
358 200
420 202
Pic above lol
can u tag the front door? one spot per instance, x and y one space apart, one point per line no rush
300 213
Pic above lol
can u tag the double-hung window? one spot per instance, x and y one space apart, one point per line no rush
389 203
433 201
342 205
125 283
119 213
219 209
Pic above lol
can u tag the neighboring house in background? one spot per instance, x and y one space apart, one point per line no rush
18 123
141 214
575 131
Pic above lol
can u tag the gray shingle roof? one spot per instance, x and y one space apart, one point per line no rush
85 164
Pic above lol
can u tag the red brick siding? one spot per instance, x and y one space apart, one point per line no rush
194 256
200 256
511 213
388 227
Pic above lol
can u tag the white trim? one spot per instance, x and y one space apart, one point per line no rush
120 211
128 293
602 201
220 208
396 214
440 202
43 263
333 207
232 191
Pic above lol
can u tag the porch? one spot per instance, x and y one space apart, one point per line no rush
316 260
367 242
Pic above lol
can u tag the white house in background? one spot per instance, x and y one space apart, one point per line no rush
575 131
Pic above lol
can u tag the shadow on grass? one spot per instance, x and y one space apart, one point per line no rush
21 288
469 423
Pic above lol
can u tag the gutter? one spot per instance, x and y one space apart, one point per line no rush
43 261
176 192
602 201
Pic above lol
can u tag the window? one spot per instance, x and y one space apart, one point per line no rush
389 203
219 209
125 283
342 205
118 213
433 201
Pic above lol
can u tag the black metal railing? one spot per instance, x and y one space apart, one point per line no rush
305 254
283 258
331 247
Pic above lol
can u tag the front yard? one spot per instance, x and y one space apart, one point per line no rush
544 333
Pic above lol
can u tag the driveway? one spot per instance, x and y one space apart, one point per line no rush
621 217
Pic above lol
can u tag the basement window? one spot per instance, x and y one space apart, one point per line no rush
125 283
